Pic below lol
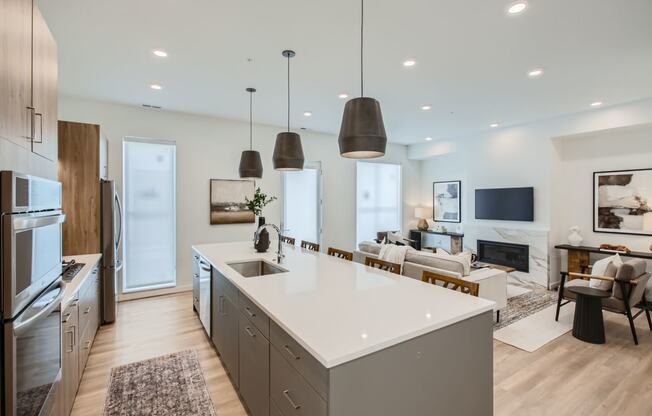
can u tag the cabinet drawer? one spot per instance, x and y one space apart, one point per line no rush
290 391
89 301
300 359
254 368
254 314
85 344
224 287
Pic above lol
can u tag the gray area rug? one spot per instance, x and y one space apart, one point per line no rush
171 385
524 305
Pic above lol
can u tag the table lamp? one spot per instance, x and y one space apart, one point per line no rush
422 214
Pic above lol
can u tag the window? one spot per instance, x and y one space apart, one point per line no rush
378 199
150 214
302 203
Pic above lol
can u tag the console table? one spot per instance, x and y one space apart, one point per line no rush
578 257
449 241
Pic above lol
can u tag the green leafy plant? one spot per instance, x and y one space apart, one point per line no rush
259 202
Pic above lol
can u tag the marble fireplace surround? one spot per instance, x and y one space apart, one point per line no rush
536 239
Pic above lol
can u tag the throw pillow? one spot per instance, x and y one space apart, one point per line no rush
600 269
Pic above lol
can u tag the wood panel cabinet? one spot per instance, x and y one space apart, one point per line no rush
16 71
82 164
44 88
253 353
28 78
224 322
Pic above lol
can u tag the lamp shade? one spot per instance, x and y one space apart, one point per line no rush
288 152
362 134
251 166
422 212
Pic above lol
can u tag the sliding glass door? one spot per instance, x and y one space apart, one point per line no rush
150 214
378 199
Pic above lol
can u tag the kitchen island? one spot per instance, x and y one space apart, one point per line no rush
323 336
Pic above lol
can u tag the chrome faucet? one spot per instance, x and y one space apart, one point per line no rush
279 252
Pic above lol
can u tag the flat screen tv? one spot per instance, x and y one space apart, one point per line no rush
507 204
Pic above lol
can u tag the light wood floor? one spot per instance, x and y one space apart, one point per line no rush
566 377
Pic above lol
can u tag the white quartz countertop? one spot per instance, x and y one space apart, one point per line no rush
89 260
340 310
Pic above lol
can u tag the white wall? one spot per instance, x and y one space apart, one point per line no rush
523 155
210 148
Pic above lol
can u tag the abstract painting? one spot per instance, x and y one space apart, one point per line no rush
622 202
447 201
228 201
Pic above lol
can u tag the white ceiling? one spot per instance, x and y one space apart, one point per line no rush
472 60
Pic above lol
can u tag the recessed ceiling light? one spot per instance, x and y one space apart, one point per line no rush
516 7
425 107
307 113
428 139
535 73
156 86
409 62
343 95
596 104
494 125
160 53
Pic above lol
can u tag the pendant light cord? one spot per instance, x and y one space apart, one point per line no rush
361 48
251 135
288 92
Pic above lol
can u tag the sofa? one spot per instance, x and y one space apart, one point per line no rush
492 282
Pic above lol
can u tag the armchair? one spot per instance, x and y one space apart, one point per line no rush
628 292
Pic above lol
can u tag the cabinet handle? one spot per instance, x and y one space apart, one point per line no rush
74 303
71 332
66 318
289 351
195 257
40 115
87 310
251 314
286 393
87 344
220 306
195 275
248 331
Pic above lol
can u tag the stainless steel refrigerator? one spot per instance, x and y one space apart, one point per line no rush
111 213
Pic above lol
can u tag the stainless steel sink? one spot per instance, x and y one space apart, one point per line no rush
255 268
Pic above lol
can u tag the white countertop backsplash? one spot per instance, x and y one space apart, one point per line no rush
340 310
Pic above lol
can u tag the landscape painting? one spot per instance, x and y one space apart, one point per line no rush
622 202
447 201
228 204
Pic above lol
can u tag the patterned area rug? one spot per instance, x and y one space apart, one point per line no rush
171 385
522 306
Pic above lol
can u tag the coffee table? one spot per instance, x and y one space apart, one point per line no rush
588 323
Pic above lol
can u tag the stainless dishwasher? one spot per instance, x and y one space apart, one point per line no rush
205 294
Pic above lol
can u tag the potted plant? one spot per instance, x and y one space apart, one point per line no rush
256 205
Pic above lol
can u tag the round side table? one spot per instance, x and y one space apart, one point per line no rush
588 324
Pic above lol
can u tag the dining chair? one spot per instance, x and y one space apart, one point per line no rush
452 283
288 240
336 252
383 265
310 246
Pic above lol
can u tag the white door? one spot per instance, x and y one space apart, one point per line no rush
150 214
302 203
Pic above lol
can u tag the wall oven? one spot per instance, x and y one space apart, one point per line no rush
31 247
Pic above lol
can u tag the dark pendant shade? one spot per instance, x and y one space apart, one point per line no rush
362 134
288 152
251 166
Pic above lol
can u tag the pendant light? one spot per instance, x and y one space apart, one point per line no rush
362 134
288 152
251 167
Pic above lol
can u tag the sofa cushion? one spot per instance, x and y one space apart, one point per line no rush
460 264
605 267
369 247
630 270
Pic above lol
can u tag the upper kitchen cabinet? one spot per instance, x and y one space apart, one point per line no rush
44 90
28 78
16 71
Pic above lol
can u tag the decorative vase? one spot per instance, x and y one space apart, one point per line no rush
263 237
422 225
574 238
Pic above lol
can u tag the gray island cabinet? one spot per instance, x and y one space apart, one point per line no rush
338 367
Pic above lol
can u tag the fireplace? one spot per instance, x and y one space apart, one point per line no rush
505 254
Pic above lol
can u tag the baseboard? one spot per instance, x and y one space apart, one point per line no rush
151 293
